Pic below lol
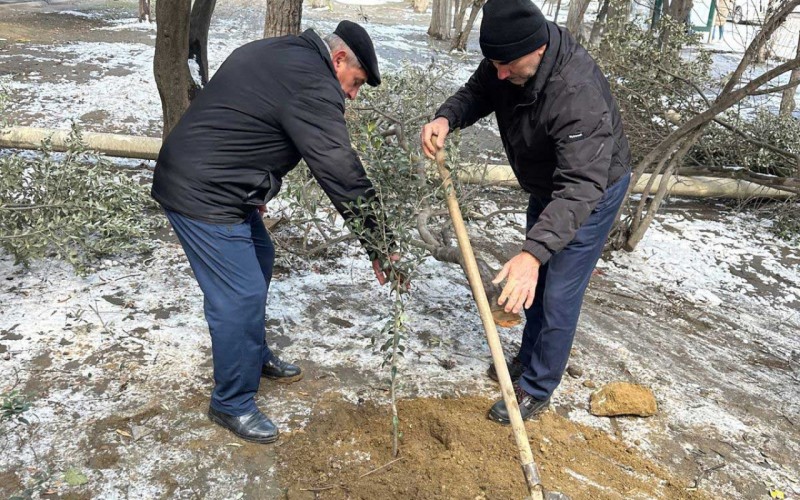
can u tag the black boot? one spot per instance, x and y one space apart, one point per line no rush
253 426
515 369
281 371
528 406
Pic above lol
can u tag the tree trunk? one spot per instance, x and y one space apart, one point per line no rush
459 7
440 20
144 11
788 102
577 9
765 49
169 63
199 22
283 18
461 38
599 22
558 9
419 6
616 17
679 9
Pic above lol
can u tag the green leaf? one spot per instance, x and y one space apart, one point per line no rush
74 477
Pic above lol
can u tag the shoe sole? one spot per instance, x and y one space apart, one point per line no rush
219 422
285 380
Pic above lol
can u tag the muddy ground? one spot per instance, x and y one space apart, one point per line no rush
117 370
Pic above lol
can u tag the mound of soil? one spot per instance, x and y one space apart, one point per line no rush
623 398
449 449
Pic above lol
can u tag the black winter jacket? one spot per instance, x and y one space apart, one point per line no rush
562 134
271 102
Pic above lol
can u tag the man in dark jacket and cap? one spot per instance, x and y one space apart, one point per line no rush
271 103
562 133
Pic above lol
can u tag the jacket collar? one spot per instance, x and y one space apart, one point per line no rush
315 40
534 87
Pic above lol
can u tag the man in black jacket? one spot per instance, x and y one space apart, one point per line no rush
562 133
271 103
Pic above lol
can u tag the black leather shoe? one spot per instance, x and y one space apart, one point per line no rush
281 371
528 407
254 426
515 369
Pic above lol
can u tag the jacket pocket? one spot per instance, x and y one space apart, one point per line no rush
264 191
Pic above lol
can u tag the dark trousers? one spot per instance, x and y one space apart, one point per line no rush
553 317
233 265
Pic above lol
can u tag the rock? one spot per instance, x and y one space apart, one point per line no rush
575 371
623 398
589 384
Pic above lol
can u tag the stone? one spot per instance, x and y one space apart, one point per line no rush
623 398
575 371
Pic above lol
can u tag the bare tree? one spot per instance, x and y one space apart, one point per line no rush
144 11
462 35
199 22
441 20
558 9
599 24
577 9
679 9
667 156
419 5
283 18
765 50
788 98
170 68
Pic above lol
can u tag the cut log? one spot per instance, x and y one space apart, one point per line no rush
123 146
146 148
691 187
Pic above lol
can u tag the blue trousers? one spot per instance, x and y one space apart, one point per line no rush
233 265
553 317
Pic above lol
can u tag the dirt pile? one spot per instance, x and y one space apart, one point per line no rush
623 398
450 450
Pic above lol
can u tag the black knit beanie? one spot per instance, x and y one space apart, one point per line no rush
511 29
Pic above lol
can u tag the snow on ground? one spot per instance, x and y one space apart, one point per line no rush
134 329
120 88
705 311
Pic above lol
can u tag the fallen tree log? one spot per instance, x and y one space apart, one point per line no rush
679 185
146 148
122 146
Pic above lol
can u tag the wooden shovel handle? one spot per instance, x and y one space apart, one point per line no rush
485 310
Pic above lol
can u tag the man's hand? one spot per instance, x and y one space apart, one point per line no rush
522 272
438 128
380 273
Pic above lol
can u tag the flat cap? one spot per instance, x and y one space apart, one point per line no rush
360 43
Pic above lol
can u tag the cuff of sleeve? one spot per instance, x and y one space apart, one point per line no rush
537 250
447 113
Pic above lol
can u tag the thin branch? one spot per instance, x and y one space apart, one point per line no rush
781 88
35 207
318 249
381 467
755 141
